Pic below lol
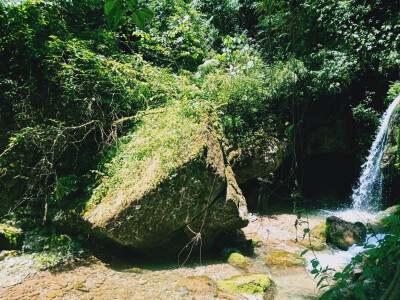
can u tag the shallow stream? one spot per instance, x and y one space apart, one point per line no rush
92 278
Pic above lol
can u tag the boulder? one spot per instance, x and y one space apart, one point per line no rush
167 187
284 259
262 156
248 286
344 234
11 238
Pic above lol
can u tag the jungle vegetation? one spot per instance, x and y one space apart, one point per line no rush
76 76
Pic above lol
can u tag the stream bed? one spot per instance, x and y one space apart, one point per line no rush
91 278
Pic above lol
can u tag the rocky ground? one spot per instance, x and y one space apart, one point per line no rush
91 278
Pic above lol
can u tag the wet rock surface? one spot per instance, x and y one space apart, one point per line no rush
344 234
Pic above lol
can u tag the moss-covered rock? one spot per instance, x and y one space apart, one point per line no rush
390 162
249 284
238 260
162 180
8 253
385 218
319 231
284 258
11 238
198 285
344 234
314 244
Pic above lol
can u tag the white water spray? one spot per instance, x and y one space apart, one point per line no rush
368 193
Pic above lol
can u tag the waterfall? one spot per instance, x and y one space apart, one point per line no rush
368 193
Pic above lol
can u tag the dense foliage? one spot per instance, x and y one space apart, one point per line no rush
78 77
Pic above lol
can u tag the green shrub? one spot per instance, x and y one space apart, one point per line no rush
253 96
178 36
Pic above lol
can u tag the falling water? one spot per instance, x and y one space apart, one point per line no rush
368 193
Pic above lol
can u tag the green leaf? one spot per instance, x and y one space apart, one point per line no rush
339 275
358 292
118 16
321 280
109 6
140 16
367 272
304 252
133 4
315 263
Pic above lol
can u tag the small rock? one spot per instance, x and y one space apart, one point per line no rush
284 258
238 260
61 282
256 285
142 281
80 287
50 294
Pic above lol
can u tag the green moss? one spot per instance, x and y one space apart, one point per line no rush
319 231
284 258
164 140
12 237
250 284
313 244
237 260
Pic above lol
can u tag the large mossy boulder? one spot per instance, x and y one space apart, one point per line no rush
167 182
284 259
344 234
248 285
11 238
